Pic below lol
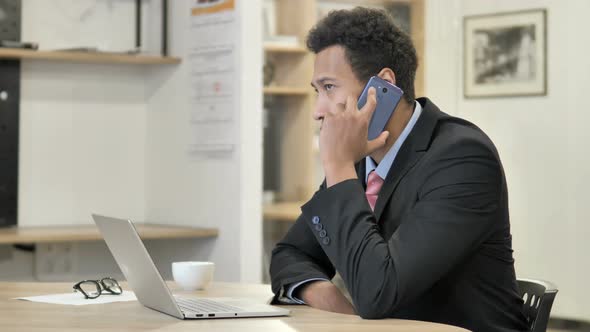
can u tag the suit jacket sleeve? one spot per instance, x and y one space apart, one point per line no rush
296 258
454 212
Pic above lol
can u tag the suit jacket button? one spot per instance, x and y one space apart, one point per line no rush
323 233
315 220
326 240
319 227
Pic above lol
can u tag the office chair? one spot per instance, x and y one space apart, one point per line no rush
538 296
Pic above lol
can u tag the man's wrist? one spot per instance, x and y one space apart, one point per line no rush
339 172
325 295
293 290
308 289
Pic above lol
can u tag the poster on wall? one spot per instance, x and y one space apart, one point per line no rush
211 56
505 54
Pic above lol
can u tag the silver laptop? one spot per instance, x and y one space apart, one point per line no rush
151 290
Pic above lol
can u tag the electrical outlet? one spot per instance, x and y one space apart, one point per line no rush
56 261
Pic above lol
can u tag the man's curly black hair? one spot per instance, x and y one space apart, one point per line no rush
371 41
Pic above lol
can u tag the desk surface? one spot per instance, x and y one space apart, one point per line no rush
16 315
76 233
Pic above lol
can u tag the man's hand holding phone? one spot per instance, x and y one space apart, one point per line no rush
344 138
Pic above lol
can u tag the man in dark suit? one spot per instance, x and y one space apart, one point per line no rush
416 221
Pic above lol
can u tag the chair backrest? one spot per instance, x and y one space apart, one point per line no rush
538 296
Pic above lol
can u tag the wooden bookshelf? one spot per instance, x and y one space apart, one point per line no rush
77 233
283 211
86 57
286 91
272 48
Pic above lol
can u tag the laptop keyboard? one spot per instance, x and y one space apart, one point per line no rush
205 305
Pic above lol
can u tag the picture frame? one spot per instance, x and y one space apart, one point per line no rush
505 54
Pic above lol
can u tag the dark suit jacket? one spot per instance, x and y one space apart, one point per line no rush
438 246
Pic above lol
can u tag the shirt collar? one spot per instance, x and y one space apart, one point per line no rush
383 168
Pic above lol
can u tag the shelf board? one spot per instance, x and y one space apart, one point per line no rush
283 211
286 91
85 57
273 48
77 233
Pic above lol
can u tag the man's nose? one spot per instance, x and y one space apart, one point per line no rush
318 114
320 110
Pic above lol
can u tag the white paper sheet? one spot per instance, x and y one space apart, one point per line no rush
78 299
212 78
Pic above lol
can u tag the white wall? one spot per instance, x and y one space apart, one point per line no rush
107 24
82 132
113 139
81 143
82 126
542 140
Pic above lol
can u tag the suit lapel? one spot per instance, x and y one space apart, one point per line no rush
414 147
404 161
361 167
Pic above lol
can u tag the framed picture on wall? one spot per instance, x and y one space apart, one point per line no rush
505 54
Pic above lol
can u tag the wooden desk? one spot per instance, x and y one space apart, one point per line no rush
16 315
77 233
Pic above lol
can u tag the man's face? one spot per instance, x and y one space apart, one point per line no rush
333 79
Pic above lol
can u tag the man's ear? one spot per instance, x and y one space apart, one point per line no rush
388 75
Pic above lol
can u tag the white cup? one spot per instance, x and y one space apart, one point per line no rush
192 276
